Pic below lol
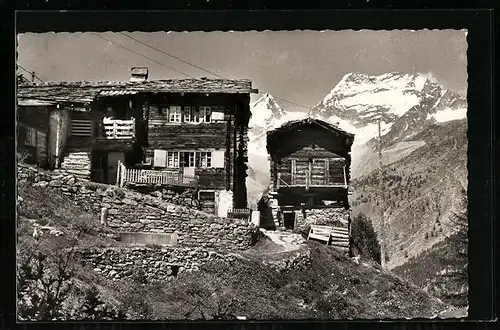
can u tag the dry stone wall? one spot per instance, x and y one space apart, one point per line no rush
331 216
146 264
129 211
179 196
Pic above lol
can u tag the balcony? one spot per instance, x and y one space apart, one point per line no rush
309 179
118 128
171 177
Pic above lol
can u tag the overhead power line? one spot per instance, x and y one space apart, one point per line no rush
142 55
30 72
170 55
184 61
295 103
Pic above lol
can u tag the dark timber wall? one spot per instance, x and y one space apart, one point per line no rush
298 148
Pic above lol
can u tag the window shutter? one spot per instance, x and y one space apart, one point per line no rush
160 158
218 159
217 115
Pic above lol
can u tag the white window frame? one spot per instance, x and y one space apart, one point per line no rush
205 159
187 114
173 159
191 158
205 112
175 114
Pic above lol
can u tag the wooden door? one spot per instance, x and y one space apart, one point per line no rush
207 201
113 158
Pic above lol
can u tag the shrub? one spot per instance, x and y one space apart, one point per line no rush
364 237
139 276
255 235
44 285
95 309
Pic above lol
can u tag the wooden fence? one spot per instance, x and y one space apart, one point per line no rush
243 214
165 177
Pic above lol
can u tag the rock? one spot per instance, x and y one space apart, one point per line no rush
71 181
55 183
129 201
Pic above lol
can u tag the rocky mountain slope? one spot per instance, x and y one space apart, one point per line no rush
420 192
406 104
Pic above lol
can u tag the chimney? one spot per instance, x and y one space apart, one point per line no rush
139 73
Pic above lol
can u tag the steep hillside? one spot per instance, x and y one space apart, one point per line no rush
440 271
330 287
420 191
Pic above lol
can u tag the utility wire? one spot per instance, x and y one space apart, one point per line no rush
142 55
173 56
200 68
30 72
295 103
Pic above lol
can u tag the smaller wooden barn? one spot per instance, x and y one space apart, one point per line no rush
310 168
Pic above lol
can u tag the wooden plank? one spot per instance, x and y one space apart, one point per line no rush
319 237
341 244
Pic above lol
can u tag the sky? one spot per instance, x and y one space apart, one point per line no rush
298 66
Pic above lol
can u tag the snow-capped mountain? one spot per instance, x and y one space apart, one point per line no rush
267 115
405 104
266 112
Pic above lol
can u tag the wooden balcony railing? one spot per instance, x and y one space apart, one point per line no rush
306 181
243 214
166 177
118 128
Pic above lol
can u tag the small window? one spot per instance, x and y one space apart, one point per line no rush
188 159
205 159
205 114
173 159
175 114
195 113
187 114
30 137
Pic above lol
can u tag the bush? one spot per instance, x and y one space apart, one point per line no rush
44 284
95 309
364 238
139 276
255 235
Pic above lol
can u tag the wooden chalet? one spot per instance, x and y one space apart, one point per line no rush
184 132
310 165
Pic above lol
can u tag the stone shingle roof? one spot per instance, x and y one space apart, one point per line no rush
85 92
294 124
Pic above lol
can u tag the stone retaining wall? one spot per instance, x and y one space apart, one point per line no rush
332 216
129 211
147 264
180 196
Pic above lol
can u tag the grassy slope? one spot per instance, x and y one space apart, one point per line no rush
332 287
430 265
